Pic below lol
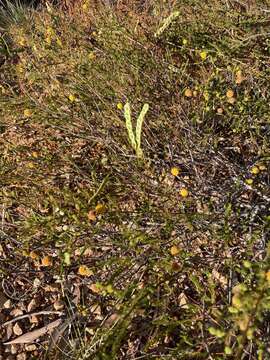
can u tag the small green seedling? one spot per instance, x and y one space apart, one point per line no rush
135 139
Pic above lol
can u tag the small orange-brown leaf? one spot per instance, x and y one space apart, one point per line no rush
92 215
96 289
33 255
46 261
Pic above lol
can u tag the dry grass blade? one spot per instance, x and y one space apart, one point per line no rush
58 332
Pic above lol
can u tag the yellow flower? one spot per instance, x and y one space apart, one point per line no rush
27 112
71 98
175 171
254 170
249 181
184 41
119 106
184 192
188 93
31 165
239 77
203 55
91 55
84 271
174 250
22 41
100 209
230 94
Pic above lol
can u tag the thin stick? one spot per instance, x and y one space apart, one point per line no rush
32 314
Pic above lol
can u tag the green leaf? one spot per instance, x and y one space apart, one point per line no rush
67 258
216 332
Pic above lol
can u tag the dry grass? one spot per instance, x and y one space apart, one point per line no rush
145 264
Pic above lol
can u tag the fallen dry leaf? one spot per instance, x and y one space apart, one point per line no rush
182 299
16 312
58 305
220 278
7 304
31 305
33 335
34 319
30 347
95 288
17 329
92 215
21 356
14 349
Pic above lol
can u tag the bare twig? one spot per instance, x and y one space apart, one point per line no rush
32 314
